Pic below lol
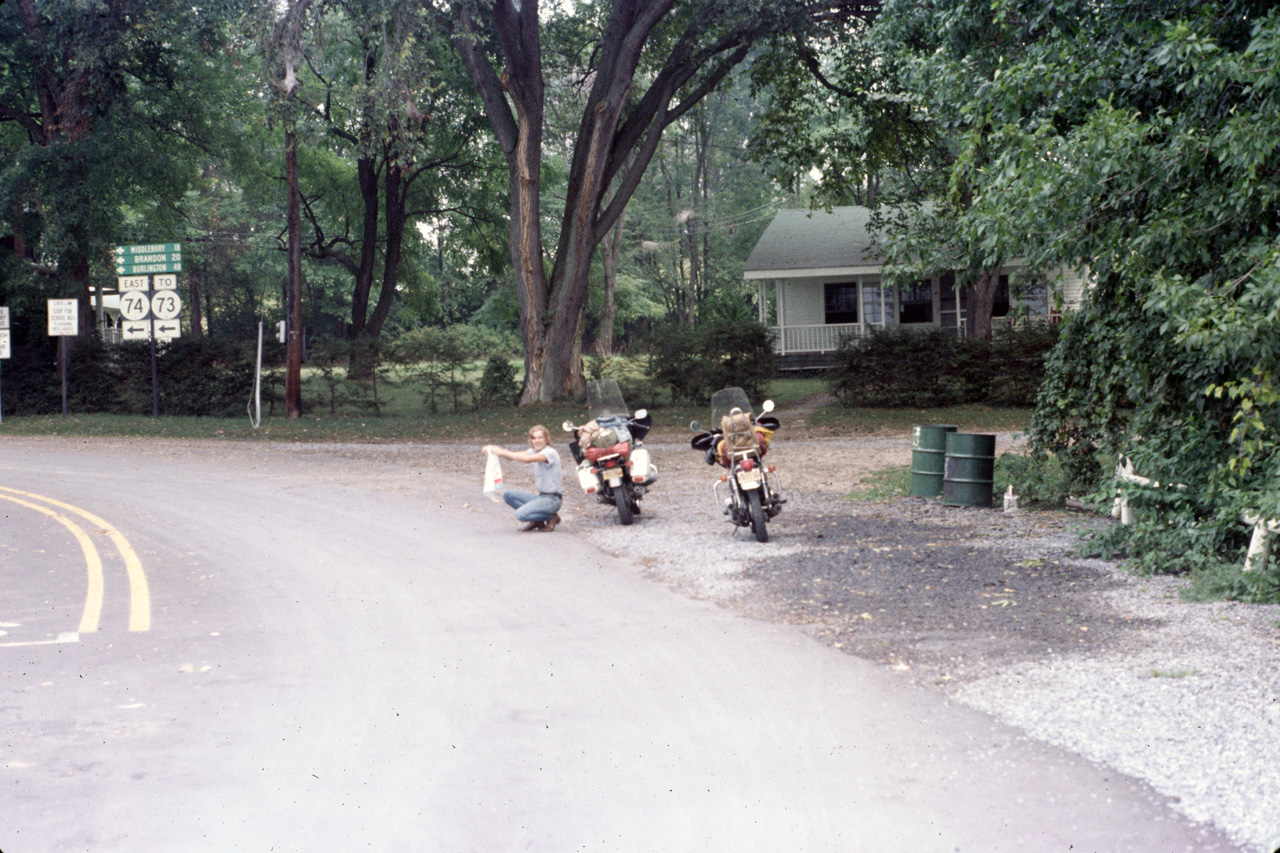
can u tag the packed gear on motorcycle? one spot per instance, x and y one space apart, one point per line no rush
739 436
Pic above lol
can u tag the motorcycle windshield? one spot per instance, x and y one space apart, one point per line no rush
725 401
605 400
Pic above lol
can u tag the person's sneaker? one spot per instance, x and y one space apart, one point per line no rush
550 524
533 525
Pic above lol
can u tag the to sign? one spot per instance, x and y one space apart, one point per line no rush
64 317
168 281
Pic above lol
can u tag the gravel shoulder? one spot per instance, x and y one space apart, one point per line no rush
991 608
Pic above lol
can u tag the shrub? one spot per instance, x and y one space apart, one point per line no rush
498 382
901 368
695 362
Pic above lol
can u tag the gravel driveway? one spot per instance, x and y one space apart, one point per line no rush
991 608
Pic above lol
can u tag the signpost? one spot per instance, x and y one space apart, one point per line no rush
4 346
150 306
64 321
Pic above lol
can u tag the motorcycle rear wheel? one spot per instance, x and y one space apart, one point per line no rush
623 501
759 525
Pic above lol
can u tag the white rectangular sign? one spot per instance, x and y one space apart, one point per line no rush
135 330
4 316
4 343
131 282
64 317
165 281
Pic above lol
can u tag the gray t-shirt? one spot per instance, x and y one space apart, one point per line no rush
546 475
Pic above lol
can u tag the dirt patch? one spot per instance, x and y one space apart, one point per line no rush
952 593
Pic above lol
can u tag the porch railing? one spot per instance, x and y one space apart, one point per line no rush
788 339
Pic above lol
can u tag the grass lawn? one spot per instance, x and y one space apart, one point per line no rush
405 417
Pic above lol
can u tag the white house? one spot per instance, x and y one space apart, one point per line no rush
819 283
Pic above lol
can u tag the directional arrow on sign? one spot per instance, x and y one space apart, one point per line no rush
136 331
167 329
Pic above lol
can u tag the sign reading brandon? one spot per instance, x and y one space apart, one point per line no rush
150 258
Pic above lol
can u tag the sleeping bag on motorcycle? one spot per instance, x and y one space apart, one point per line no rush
762 437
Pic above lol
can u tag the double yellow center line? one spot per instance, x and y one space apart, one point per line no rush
139 595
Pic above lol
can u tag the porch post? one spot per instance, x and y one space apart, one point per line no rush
780 306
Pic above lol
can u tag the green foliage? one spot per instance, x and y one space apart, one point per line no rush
498 386
204 379
440 359
695 362
330 360
1038 479
900 368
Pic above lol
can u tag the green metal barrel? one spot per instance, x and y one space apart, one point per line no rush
928 453
970 467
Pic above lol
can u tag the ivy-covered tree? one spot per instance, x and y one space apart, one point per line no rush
1142 139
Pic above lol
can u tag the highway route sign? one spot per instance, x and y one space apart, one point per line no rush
135 305
131 282
165 304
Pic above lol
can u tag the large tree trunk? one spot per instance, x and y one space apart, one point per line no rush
367 177
610 251
978 304
293 352
615 141
193 298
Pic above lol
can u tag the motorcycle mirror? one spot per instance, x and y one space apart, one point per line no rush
767 406
695 426
641 414
567 426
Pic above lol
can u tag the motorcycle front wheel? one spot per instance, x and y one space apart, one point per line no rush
758 523
623 501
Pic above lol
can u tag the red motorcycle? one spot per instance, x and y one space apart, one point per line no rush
613 463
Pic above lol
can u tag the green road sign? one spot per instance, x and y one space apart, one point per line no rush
148 249
148 258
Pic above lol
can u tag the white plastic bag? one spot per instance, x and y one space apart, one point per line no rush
493 477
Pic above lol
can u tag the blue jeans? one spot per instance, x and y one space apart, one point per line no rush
530 506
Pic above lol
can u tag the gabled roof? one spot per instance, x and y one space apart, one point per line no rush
814 242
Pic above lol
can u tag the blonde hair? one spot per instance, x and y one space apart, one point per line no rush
540 428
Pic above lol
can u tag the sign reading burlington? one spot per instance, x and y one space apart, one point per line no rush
145 259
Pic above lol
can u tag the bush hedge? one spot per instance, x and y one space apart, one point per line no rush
898 368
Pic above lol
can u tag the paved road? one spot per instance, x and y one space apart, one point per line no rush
332 654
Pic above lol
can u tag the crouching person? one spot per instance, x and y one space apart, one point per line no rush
539 509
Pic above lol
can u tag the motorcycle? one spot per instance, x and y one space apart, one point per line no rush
613 463
738 441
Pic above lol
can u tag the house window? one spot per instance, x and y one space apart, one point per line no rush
841 302
916 303
873 303
1000 304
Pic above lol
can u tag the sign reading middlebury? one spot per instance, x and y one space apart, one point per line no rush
150 258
